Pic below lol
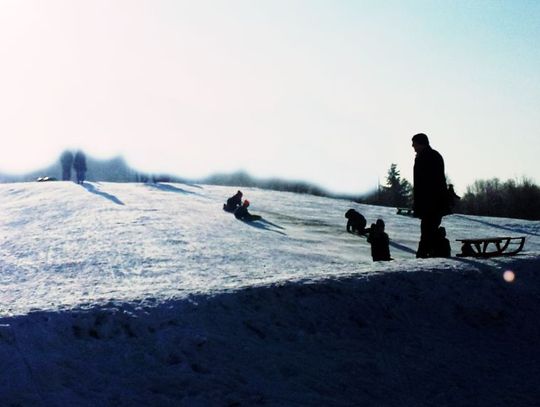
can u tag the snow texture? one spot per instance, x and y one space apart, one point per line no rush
151 295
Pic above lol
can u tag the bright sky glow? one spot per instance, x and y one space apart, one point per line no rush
327 92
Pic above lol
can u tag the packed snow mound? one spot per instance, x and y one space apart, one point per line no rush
424 338
152 295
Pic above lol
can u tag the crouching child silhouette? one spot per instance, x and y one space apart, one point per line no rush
356 222
380 243
242 213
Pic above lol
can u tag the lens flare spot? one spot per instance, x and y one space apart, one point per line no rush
509 276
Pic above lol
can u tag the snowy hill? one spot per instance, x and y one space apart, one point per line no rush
151 295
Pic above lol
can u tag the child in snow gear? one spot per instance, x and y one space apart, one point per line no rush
234 202
243 214
356 222
380 243
467 250
442 245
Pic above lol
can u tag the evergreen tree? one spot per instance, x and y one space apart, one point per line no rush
397 191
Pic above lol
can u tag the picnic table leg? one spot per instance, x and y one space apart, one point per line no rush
502 249
478 250
521 243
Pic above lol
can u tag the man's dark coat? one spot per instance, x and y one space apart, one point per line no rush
430 193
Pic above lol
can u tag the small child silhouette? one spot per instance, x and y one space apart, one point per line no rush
442 245
380 243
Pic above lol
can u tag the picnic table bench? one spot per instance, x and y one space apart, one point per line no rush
499 246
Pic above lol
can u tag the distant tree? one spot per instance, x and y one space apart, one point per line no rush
396 192
66 159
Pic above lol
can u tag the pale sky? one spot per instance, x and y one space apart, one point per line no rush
329 92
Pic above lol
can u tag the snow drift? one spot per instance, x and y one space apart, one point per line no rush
150 294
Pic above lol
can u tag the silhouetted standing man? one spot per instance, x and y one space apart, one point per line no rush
79 163
430 193
67 161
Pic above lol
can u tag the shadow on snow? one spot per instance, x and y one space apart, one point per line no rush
402 247
170 188
91 188
265 225
509 229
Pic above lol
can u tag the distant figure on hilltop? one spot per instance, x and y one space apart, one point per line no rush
242 213
430 193
356 222
79 164
234 202
66 159
380 242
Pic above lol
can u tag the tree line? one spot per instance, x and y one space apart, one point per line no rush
510 199
243 179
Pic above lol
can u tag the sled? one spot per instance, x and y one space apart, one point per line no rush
404 211
498 246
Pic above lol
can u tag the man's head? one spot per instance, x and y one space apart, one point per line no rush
419 142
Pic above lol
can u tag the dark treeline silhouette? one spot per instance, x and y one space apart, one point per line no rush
242 179
510 199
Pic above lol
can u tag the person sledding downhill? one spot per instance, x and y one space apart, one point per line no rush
242 213
234 202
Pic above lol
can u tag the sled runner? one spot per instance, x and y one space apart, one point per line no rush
499 246
404 211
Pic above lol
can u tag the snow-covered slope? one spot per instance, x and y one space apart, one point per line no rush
150 294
